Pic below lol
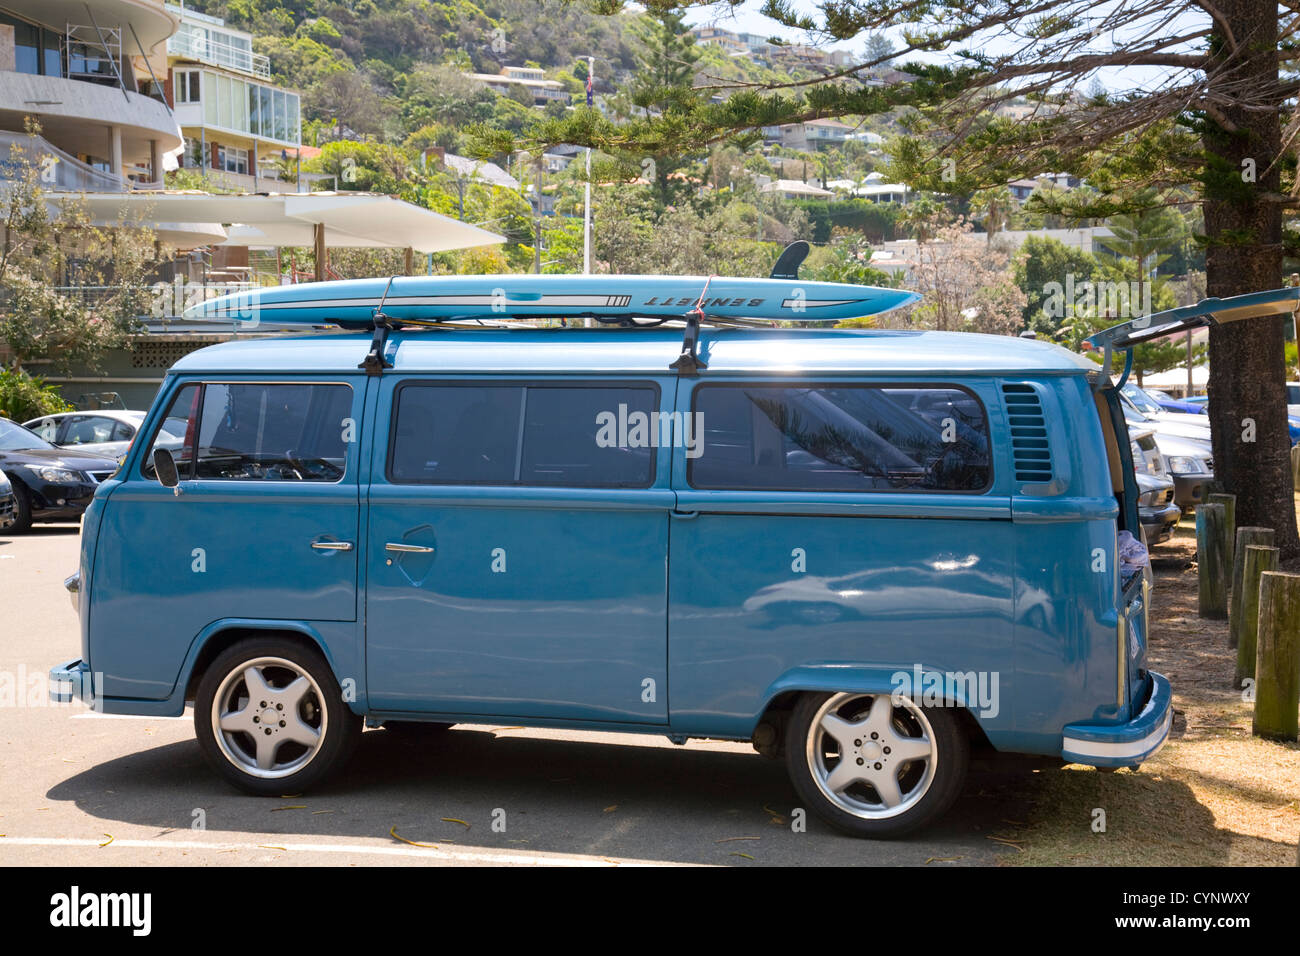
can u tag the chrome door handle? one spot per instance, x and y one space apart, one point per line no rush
407 548
332 545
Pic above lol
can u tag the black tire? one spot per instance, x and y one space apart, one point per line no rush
295 767
22 510
859 809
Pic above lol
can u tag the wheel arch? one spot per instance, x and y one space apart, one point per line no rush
220 635
783 694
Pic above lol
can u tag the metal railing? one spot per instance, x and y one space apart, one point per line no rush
219 53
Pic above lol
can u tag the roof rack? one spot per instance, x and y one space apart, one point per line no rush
375 362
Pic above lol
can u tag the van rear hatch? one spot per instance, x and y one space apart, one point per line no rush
1132 588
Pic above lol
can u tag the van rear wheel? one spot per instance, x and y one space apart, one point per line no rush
873 765
270 717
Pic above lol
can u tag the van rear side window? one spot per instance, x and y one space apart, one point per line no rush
841 437
549 435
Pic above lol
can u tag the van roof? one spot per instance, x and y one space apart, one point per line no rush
645 352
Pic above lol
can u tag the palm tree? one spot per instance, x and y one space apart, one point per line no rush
993 207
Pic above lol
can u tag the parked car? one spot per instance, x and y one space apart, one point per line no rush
1292 425
1164 400
49 484
106 433
1189 460
859 549
1157 510
1293 399
8 505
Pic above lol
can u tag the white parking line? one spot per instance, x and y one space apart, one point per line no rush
499 858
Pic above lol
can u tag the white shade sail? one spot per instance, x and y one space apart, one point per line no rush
351 220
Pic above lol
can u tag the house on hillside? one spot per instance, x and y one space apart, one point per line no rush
530 78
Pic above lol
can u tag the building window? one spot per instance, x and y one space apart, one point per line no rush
192 157
251 108
232 159
188 89
37 51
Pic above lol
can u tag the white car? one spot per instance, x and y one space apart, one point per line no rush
107 433
1293 399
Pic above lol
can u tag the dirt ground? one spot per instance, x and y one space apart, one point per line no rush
1214 796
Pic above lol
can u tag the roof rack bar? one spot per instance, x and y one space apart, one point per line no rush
689 362
375 362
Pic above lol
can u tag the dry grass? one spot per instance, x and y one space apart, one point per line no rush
1214 796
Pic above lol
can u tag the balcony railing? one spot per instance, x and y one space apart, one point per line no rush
219 53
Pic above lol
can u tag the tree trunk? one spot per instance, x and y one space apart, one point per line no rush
1247 367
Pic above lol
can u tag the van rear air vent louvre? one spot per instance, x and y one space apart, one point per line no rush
1033 456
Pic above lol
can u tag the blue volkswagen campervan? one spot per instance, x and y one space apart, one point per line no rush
864 551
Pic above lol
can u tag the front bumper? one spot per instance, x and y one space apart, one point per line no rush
1159 521
73 681
1124 745
8 509
1189 490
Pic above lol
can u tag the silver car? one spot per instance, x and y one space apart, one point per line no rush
107 433
1187 454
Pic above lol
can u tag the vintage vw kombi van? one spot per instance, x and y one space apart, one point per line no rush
865 551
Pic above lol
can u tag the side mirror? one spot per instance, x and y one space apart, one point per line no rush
164 465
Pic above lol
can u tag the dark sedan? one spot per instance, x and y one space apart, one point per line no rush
50 484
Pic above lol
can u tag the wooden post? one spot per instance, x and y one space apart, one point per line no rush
1295 467
1277 662
1229 503
1245 537
410 262
1211 560
1257 559
320 252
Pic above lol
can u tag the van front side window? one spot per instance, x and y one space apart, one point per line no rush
835 437
257 432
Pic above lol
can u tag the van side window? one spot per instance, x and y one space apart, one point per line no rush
587 438
273 432
451 434
177 433
841 437
455 435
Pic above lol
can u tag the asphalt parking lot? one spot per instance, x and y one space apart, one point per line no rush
80 788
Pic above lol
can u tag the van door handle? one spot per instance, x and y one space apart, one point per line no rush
332 545
407 548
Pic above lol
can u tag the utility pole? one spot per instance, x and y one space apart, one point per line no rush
537 195
586 202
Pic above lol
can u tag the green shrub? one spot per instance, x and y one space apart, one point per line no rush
23 397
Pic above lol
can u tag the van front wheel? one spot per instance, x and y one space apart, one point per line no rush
270 717
873 765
